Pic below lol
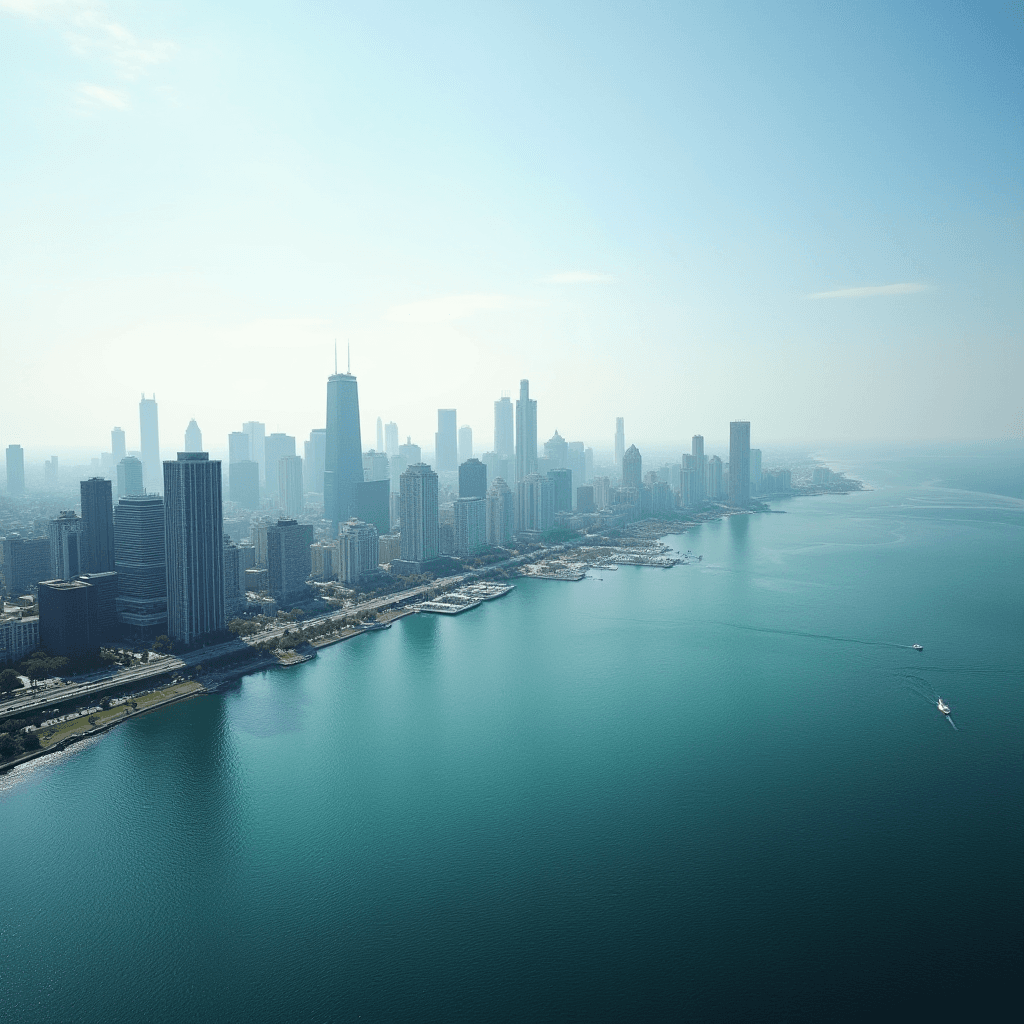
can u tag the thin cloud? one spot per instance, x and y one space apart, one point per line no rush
447 307
578 277
97 96
871 291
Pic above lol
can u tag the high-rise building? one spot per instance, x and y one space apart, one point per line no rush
117 445
472 479
755 470
371 503
343 456
26 562
557 451
257 445
535 505
149 432
526 432
289 479
470 525
359 550
585 498
98 524
50 471
391 440
420 541
64 618
276 447
380 434
140 558
465 444
129 477
389 547
504 429
714 478
446 444
325 560
103 625
620 440
193 437
234 580
244 484
67 546
194 546
316 453
697 451
501 514
15 469
239 447
376 466
691 480
289 561
739 463
588 465
602 492
561 489
576 461
632 468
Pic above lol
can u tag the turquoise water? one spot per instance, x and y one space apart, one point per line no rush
717 791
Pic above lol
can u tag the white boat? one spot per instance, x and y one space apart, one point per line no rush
918 647
942 707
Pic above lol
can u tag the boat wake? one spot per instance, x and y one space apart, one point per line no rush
819 636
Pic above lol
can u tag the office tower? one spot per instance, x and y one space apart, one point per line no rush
140 559
289 480
257 445
739 463
472 479
470 525
585 498
602 492
325 560
67 546
691 479
620 441
526 432
504 429
501 514
465 444
714 478
50 471
588 465
376 466
359 551
389 548
391 439
535 506
343 456
26 562
371 503
239 447
98 525
316 452
258 534
755 470
129 477
576 460
420 542
561 489
103 626
193 546
380 434
15 469
117 445
497 466
446 444
288 560
234 581
632 468
152 473
193 437
64 619
257 581
276 447
557 450
244 484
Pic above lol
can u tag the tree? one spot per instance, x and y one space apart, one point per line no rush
162 644
9 680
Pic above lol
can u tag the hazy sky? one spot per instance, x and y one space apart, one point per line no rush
805 215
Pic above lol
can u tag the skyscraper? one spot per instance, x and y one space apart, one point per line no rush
289 561
501 514
149 433
315 452
465 444
26 562
535 506
276 448
470 525
380 434
739 463
391 440
193 437
697 451
15 469
472 479
97 525
239 447
446 444
420 540
714 478
358 550
343 456
193 546
140 559
620 441
561 489
504 429
755 470
526 432
289 477
632 468
257 445
117 446
129 477
244 484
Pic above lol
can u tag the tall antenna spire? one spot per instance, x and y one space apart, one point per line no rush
335 356
349 347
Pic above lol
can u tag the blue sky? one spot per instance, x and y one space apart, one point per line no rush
804 215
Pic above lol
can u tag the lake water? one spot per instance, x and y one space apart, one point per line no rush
720 791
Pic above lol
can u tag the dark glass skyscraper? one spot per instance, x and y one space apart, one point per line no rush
343 460
98 525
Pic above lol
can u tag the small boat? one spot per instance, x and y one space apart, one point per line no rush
918 647
942 707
